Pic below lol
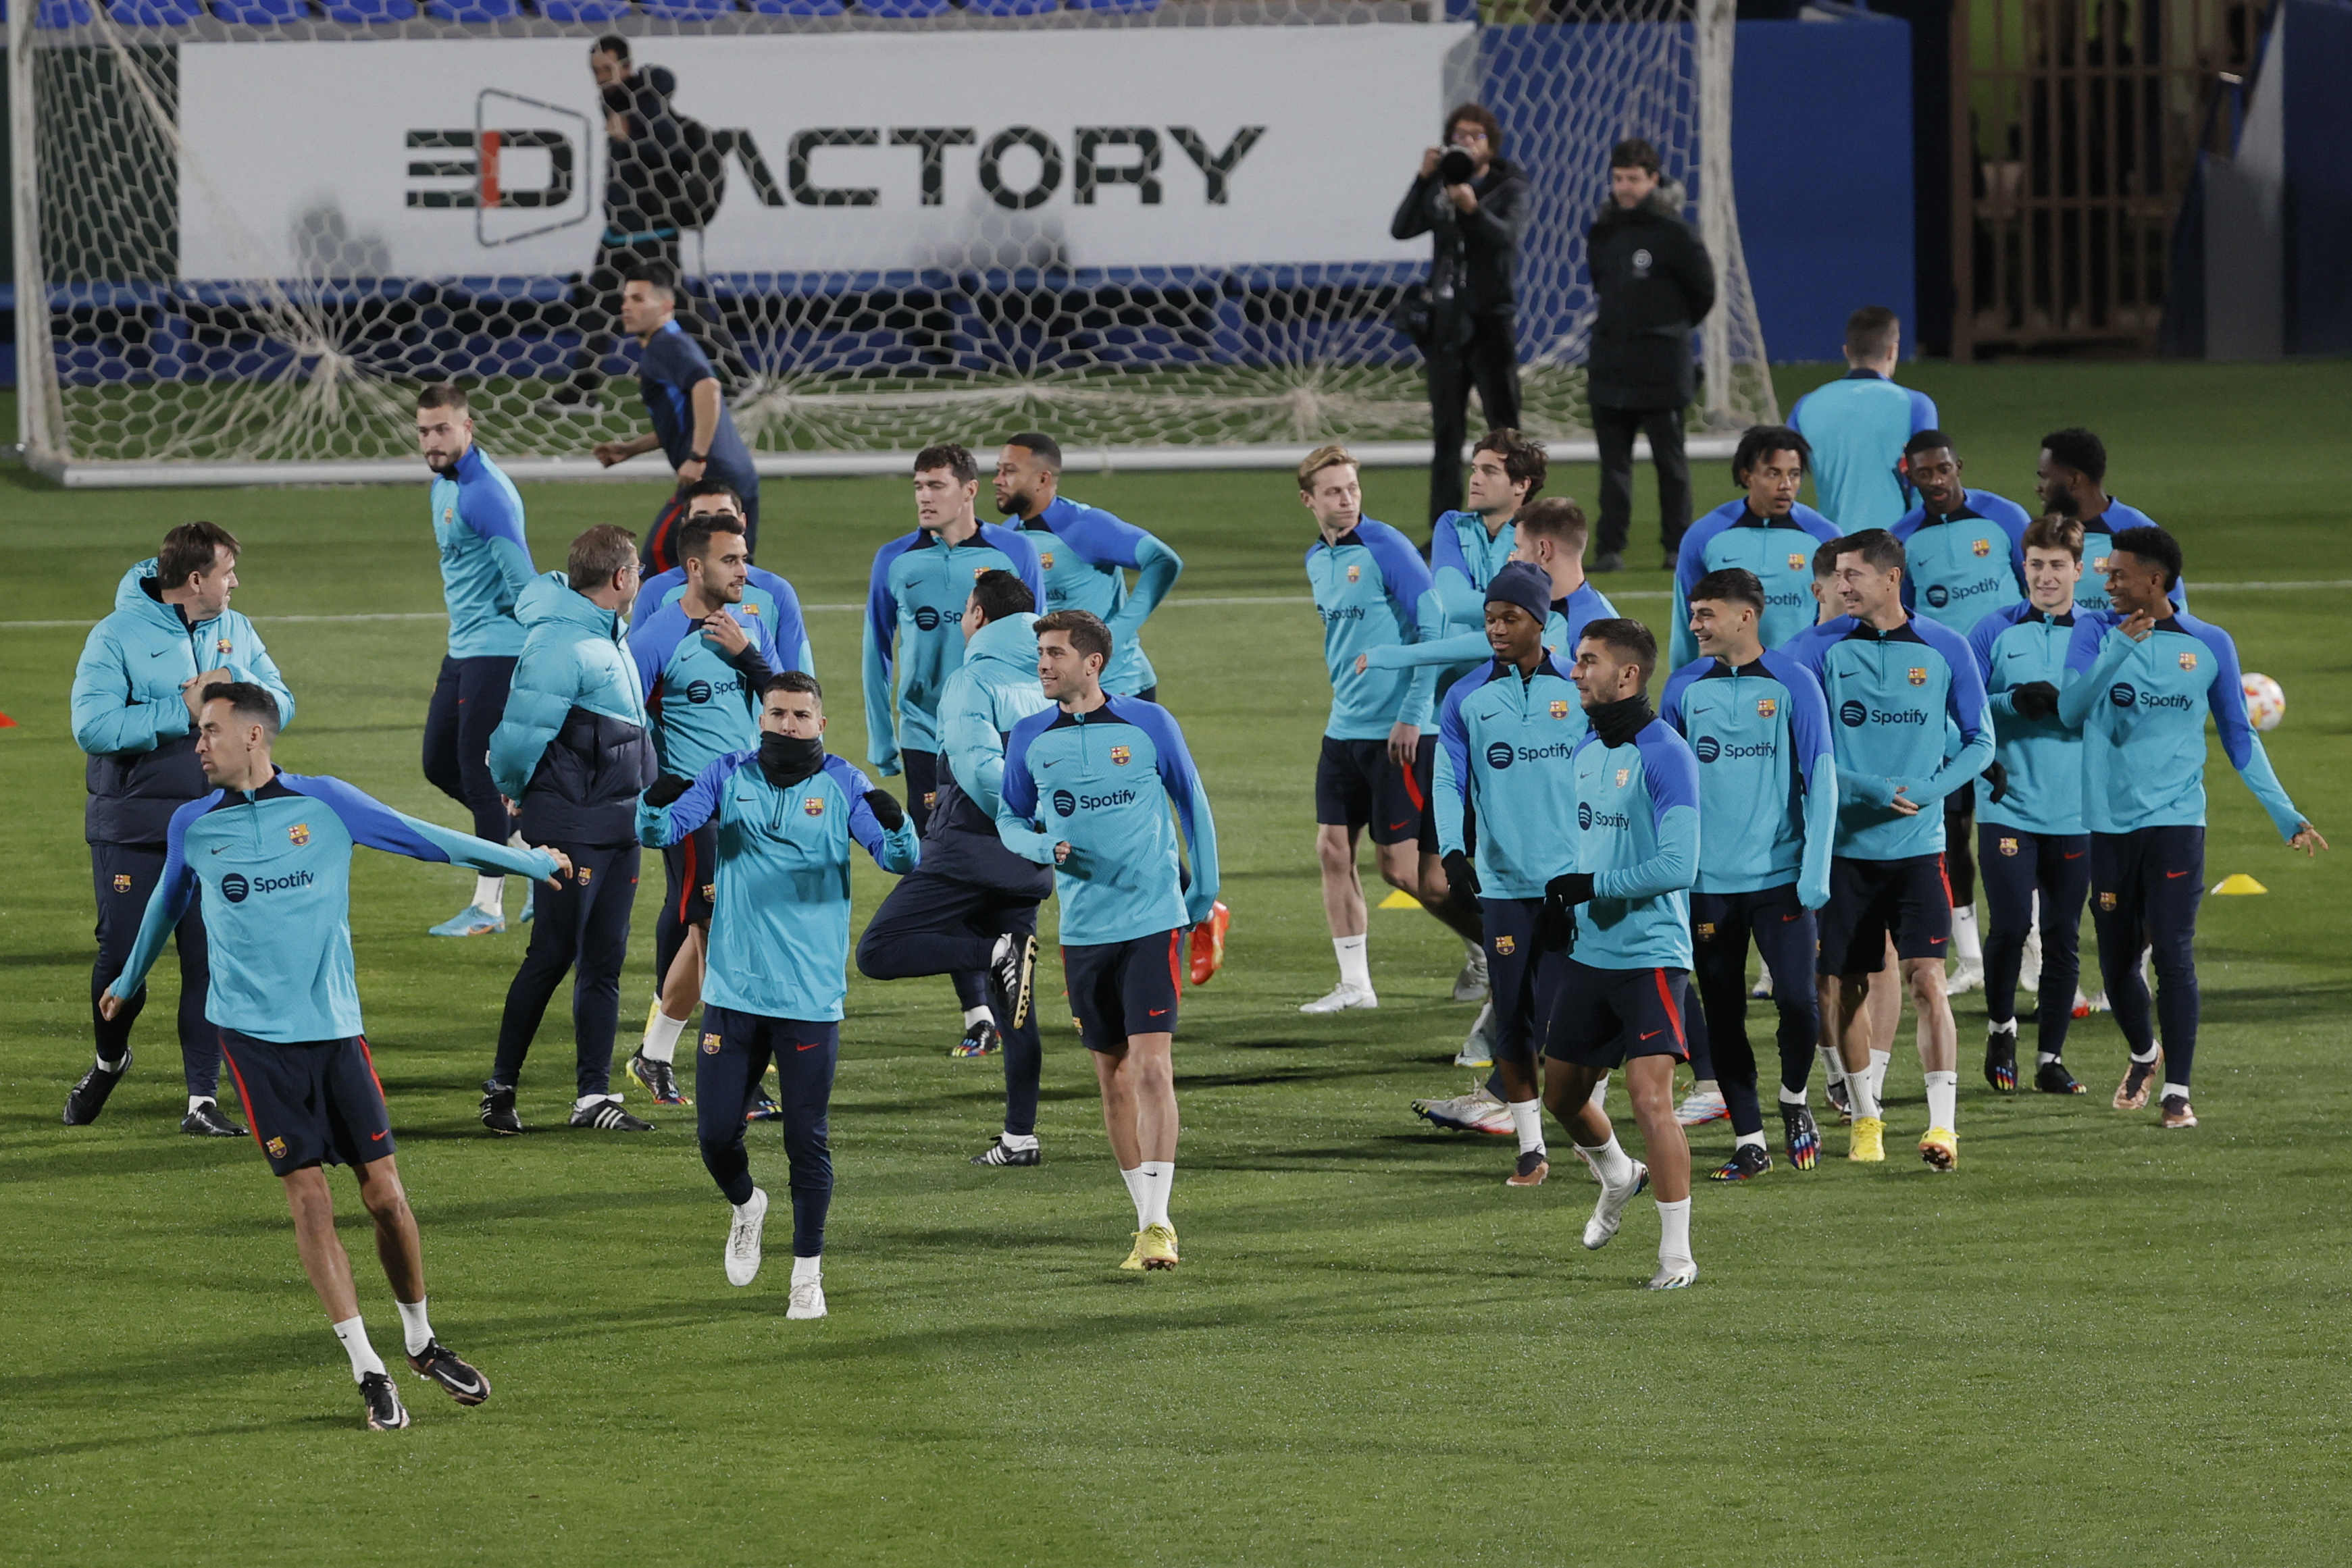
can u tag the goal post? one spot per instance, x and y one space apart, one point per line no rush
240 248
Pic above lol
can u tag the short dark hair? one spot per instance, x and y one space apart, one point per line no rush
2054 532
1871 332
1479 115
1634 153
1877 547
694 538
711 484
611 44
1043 445
1760 441
1522 458
1825 561
1731 585
657 275
956 460
2076 448
1630 640
442 394
2153 545
190 548
1084 630
247 700
1928 441
1557 517
1001 593
598 556
792 681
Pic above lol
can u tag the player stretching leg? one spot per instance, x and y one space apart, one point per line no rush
2140 680
786 814
1625 922
485 567
272 852
2030 808
972 903
1893 682
1372 589
1087 787
1768 812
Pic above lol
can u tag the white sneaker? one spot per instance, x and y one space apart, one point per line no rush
1341 997
808 1299
2029 968
1673 1273
1470 984
743 1240
1697 1109
1608 1211
1476 1112
1763 988
1968 974
1478 1049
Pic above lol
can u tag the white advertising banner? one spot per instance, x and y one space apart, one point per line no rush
1110 147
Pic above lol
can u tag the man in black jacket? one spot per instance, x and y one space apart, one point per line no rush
1470 336
1655 284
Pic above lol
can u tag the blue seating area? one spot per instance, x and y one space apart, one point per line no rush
385 12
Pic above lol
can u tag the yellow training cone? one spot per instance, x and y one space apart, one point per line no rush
2238 881
1399 898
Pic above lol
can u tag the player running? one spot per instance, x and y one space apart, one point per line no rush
1084 554
1857 424
1768 813
1892 682
2140 680
914 629
1624 921
1089 785
971 905
783 814
1766 531
485 566
271 853
137 700
2030 808
575 750
2071 476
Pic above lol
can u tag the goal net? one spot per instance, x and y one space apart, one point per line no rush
247 231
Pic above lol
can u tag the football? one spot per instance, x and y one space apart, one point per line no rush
2265 703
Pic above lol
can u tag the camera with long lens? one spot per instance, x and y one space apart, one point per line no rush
1456 167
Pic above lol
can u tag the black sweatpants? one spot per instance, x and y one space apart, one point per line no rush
922 770
124 877
932 925
2145 888
468 700
582 927
1489 361
736 1049
2017 865
1614 429
1959 824
1722 925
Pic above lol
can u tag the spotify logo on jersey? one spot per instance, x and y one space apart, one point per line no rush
2122 694
1065 803
1584 814
1939 596
235 887
1851 714
926 618
1708 748
697 692
1499 755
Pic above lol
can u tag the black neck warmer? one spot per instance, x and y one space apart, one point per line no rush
786 760
1619 722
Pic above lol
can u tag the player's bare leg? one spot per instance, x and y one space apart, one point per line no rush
328 1267
1650 1084
1939 1055
1344 911
1139 1099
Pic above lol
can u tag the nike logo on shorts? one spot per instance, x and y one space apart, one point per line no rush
1159 1012
1394 826
1653 1034
810 1046
1935 941
377 1137
2174 875
2075 856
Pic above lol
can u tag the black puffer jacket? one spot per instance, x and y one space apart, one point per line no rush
1654 283
642 170
1478 254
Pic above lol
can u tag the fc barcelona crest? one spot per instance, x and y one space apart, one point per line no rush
1119 756
1796 561
1918 675
1354 573
1623 775
2100 564
1982 547
1706 931
300 834
221 646
1558 709
749 609
813 805
2188 660
2008 846
710 1044
1046 559
2108 901
1507 943
977 572
1767 706
121 882
276 1147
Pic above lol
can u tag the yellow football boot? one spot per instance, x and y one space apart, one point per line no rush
1869 1139
1157 1247
1941 1149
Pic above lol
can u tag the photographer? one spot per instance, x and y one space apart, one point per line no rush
1474 204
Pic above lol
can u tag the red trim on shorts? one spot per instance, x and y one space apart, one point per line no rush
370 1057
1175 951
252 1122
1673 1013
686 881
1411 773
659 548
1945 876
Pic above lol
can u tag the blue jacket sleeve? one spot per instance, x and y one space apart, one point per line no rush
969 738
1452 780
881 630
1022 554
1809 733
2226 698
495 514
1104 540
658 827
1982 638
1462 648
1673 777
2091 657
1923 411
166 904
546 679
1406 578
895 850
790 634
1964 704
105 719
371 823
262 670
1181 779
1016 806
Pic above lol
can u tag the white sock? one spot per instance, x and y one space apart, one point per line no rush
2001 1026
1526 1121
365 1360
1965 943
414 1328
1792 1096
1139 1188
1861 1094
807 1268
1355 966
587 1100
2144 1061
1832 1064
1017 1140
490 894
120 1064
1943 1098
661 1037
1746 1140
1674 1230
197 1100
1706 1086
1878 1060
2045 1058
1598 1098
980 1014
1612 1161
1161 1175
2172 1089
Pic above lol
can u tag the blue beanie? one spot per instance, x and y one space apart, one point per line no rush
1524 584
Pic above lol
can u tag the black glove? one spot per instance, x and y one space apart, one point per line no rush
2036 699
885 809
1998 776
1556 922
1568 889
667 790
1461 875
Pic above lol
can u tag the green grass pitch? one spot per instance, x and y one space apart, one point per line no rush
2093 1344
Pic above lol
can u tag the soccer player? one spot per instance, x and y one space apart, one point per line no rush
1088 786
765 594
1504 738
2071 477
2030 808
1625 919
271 853
1858 424
1084 554
1767 813
575 751
700 662
137 702
786 814
2140 680
1372 589
1892 682
485 567
915 601
1768 531
691 426
971 905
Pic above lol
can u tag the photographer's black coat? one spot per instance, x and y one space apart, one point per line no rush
1478 253
1654 283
